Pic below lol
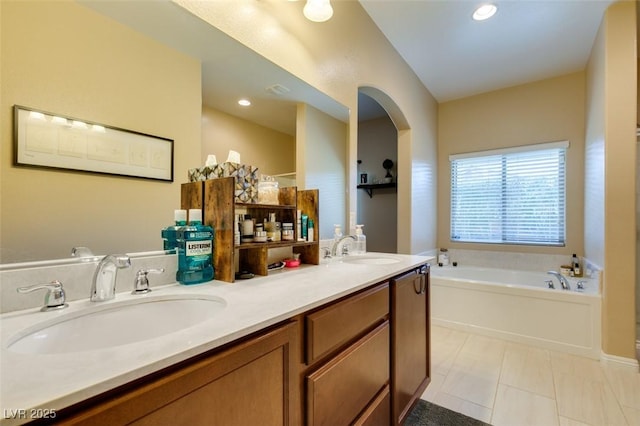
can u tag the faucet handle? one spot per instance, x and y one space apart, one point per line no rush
326 252
550 284
55 297
141 283
580 285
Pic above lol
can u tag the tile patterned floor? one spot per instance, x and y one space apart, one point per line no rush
511 384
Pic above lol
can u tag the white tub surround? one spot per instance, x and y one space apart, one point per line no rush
518 306
29 381
535 262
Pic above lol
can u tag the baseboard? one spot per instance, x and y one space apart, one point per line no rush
620 361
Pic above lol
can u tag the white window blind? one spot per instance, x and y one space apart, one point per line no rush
510 196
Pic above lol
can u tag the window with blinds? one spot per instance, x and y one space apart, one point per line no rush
510 196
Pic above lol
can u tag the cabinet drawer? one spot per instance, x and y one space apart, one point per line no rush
335 325
340 390
378 413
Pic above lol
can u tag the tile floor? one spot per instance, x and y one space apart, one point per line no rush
505 383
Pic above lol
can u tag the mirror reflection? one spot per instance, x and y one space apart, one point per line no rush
153 68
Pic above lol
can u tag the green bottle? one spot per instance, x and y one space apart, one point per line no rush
195 251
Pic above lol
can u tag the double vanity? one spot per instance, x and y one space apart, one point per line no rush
343 342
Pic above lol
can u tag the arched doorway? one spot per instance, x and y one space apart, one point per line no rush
383 203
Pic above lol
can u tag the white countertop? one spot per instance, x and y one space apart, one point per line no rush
56 381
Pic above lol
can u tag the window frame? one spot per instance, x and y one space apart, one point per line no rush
508 230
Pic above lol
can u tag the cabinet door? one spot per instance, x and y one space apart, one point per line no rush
251 383
410 343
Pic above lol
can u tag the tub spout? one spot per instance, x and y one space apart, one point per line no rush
564 282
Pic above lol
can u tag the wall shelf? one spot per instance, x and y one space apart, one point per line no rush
369 187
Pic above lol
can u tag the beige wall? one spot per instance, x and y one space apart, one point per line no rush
611 167
270 151
544 111
61 57
338 57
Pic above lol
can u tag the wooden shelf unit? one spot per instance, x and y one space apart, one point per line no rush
216 199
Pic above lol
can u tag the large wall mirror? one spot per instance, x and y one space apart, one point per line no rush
202 123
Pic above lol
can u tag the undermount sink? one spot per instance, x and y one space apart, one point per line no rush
116 324
371 260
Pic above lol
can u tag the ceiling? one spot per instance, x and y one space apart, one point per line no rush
455 56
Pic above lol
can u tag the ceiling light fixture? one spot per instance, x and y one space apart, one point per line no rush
318 10
244 102
485 11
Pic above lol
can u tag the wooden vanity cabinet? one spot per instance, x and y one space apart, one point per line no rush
346 372
410 340
249 383
361 360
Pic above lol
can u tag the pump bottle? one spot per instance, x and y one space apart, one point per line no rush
361 241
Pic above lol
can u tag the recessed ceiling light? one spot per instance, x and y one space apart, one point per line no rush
244 102
485 11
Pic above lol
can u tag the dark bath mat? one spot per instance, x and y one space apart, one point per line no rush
427 414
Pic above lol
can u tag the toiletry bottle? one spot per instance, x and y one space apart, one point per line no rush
443 257
310 230
169 234
236 234
195 251
247 229
270 227
304 227
337 232
299 225
287 231
361 241
575 265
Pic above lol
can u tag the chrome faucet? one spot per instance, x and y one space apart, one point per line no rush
334 248
564 282
104 281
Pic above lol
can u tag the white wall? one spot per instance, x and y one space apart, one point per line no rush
321 164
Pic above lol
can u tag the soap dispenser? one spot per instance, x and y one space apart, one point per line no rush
337 232
361 241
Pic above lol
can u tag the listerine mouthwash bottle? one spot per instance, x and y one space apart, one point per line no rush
169 234
195 251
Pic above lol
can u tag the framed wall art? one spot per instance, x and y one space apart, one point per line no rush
48 140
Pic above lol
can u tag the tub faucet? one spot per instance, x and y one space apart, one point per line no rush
564 282
104 281
334 249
